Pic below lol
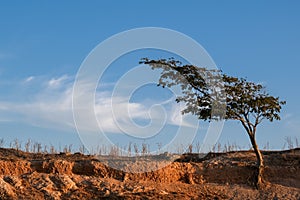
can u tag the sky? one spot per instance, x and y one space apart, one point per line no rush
44 43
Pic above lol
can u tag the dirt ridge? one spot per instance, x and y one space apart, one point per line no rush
77 176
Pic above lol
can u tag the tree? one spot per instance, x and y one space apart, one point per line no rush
213 95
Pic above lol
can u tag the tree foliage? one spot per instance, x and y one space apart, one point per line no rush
212 95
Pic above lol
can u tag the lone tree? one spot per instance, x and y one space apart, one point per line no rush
213 95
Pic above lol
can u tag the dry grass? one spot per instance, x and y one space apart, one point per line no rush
132 149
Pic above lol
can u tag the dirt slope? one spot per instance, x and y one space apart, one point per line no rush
216 176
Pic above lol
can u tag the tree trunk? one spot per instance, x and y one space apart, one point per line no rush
260 162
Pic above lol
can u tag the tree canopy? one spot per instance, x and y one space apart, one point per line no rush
212 95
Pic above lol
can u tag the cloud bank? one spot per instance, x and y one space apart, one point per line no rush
50 106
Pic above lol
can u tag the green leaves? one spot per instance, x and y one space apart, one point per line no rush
212 95
244 98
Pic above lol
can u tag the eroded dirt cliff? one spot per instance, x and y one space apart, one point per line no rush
216 176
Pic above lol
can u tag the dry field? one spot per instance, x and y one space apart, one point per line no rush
216 176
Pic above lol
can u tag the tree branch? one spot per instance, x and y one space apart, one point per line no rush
245 126
250 125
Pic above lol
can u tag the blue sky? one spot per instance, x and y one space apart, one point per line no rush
43 43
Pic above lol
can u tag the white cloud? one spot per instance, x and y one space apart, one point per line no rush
109 115
29 79
51 107
57 82
176 117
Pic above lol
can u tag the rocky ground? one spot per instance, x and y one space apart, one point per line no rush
216 176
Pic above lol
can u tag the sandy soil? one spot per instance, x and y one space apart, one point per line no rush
216 176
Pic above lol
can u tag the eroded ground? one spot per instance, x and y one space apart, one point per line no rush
216 176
